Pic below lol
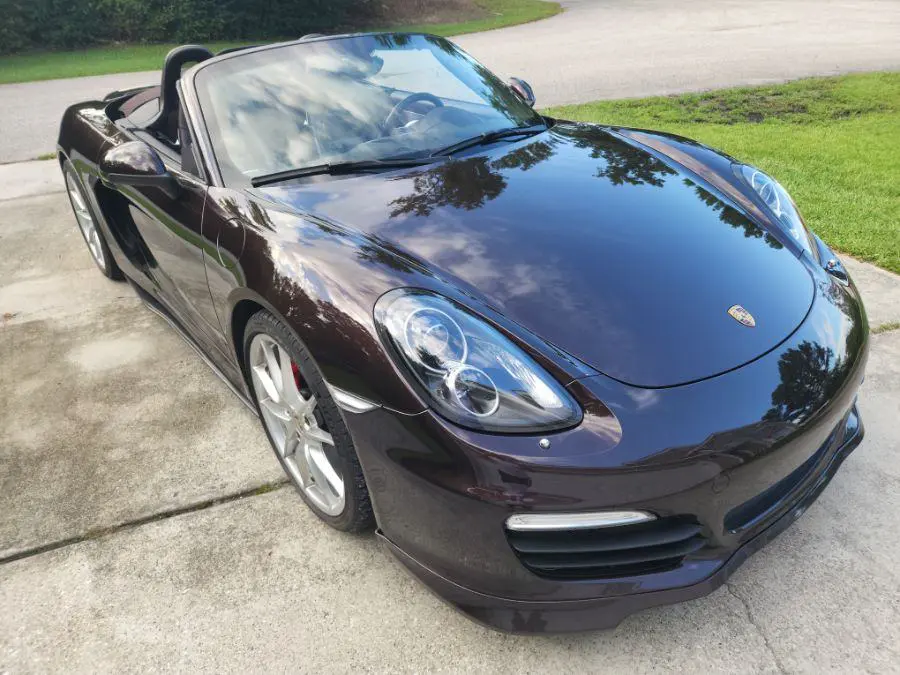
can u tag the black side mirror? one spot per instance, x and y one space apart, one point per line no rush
523 89
136 163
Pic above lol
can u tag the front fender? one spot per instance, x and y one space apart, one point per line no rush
322 281
714 170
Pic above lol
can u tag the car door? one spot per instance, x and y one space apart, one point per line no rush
171 228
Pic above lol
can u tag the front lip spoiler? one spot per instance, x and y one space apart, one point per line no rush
569 616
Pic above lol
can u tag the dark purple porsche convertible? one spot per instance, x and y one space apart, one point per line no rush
565 371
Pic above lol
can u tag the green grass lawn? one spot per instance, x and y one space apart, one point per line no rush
834 143
133 58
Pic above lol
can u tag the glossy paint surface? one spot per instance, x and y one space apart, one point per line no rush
132 159
627 262
698 450
611 256
604 613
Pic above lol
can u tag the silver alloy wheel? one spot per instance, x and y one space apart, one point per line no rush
85 221
289 417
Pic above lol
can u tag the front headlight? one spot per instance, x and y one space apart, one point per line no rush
473 375
779 204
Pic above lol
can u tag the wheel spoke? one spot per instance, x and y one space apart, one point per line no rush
301 461
261 375
277 409
323 473
289 384
291 443
319 435
95 247
305 406
79 202
274 370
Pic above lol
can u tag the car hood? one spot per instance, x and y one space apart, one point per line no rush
624 260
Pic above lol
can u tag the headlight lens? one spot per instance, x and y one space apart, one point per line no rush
779 203
473 374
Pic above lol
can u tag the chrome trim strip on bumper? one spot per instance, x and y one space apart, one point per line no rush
543 522
351 402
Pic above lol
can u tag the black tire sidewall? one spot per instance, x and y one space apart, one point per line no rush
357 514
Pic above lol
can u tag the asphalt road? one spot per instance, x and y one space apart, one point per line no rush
595 49
114 437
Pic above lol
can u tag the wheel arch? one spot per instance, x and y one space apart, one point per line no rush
244 304
322 280
240 316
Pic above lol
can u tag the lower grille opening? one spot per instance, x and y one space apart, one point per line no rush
752 510
601 553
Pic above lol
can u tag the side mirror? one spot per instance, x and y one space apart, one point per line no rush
136 163
523 89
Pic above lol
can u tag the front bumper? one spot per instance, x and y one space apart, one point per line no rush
738 456
520 616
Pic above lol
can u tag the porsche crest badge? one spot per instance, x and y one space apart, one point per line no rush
742 316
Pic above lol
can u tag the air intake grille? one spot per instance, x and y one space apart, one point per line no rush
602 553
751 511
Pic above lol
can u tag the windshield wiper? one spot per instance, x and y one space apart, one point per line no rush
339 168
490 137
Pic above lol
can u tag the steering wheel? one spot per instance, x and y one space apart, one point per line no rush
391 120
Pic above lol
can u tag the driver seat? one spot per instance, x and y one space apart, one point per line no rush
164 124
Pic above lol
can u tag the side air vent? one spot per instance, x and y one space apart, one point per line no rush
602 553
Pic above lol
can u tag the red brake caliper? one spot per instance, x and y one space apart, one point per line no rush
297 380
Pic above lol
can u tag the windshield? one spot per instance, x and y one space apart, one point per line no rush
347 99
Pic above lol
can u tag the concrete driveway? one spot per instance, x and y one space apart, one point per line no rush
595 49
144 525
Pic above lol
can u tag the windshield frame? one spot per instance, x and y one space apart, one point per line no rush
194 109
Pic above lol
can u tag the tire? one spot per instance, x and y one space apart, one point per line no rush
266 336
89 224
